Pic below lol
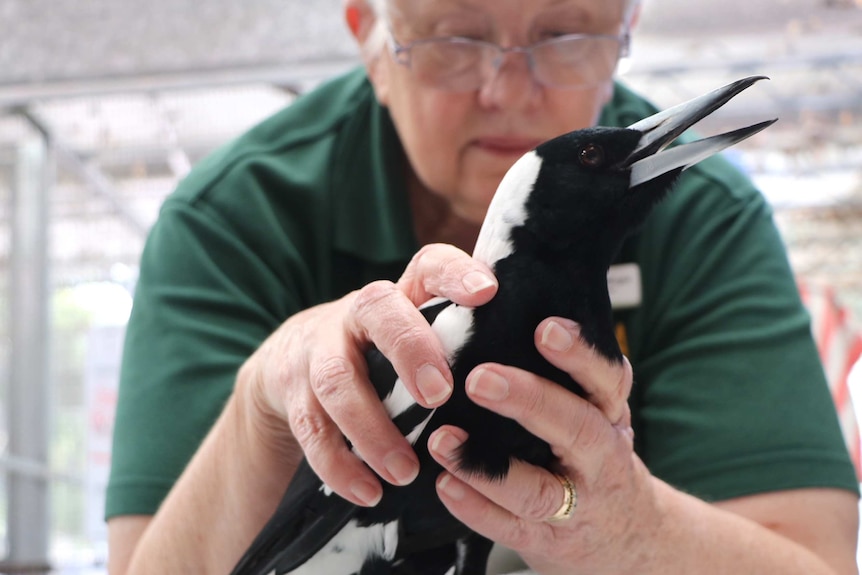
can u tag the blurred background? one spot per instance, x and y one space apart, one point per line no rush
106 104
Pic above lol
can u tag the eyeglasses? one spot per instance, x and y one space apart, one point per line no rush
463 64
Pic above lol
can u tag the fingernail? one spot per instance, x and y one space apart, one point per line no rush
488 385
445 444
366 492
556 338
474 282
401 467
451 487
432 385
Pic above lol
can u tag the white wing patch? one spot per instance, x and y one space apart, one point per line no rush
453 326
399 400
433 301
417 431
351 548
507 209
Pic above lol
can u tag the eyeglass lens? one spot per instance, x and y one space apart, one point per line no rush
462 64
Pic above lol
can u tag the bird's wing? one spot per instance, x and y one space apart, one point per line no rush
308 516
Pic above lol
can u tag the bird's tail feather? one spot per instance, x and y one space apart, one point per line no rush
289 539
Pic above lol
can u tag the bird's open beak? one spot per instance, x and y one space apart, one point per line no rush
650 159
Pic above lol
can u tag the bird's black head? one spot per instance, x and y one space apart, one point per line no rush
582 195
589 189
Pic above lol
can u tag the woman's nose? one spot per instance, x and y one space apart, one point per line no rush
510 84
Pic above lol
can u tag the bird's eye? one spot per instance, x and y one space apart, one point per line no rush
592 156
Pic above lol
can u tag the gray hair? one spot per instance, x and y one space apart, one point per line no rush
379 6
376 42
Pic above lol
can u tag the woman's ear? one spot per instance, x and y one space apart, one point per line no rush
360 19
365 25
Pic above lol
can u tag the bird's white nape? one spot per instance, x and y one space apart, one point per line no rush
507 209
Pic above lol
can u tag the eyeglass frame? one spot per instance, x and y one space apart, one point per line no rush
401 52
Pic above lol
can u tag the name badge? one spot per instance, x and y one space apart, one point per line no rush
624 286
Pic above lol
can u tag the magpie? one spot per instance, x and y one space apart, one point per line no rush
552 230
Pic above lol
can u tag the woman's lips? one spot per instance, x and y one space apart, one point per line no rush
506 145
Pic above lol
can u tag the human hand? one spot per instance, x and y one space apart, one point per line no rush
592 438
309 378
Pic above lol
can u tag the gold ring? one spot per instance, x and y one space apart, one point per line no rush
570 500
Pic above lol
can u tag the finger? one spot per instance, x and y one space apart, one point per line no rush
284 365
578 433
607 384
529 492
328 454
487 518
340 384
382 314
444 270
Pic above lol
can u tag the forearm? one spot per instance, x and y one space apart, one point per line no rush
222 499
696 537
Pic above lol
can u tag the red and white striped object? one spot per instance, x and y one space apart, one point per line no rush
840 347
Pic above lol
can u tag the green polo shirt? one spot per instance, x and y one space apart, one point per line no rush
729 397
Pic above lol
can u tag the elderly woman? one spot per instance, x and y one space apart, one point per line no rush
286 254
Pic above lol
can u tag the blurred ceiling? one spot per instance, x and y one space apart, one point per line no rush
51 52
130 90
48 50
48 47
